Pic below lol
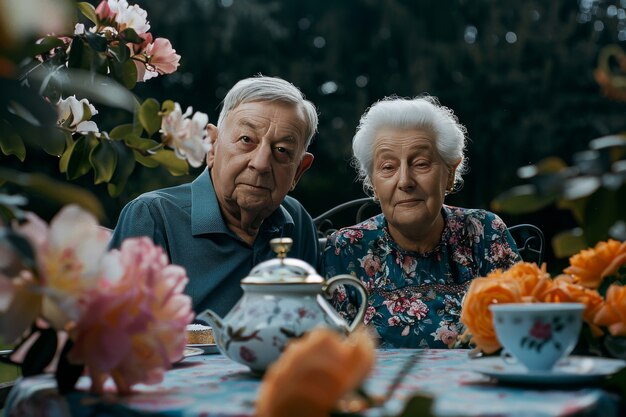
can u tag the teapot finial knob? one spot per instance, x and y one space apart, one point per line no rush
281 245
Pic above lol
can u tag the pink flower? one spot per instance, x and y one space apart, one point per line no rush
154 58
103 11
371 264
133 17
247 355
353 235
121 14
188 137
162 56
541 331
418 309
447 333
134 324
69 254
369 314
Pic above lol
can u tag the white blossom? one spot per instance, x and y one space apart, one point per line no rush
188 137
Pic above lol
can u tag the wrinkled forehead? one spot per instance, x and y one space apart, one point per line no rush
286 103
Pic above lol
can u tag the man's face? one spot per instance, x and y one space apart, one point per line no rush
257 157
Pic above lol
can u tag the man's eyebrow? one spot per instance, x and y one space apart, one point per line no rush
247 123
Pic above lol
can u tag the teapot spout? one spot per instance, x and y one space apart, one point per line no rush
210 317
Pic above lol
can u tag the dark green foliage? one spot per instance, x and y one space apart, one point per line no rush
521 101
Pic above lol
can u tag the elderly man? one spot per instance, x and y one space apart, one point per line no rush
219 226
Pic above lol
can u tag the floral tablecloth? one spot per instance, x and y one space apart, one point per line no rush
212 385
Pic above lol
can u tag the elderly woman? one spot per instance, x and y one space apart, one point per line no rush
419 255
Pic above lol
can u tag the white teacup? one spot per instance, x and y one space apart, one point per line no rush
538 335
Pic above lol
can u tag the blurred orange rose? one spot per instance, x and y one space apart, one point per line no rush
564 289
613 313
314 372
528 275
591 266
476 316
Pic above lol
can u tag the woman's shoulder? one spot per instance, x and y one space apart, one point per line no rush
464 215
367 229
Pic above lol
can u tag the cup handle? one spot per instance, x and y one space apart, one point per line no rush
507 357
346 279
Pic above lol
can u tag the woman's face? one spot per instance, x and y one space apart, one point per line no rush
410 180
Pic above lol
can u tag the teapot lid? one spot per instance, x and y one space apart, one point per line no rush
283 270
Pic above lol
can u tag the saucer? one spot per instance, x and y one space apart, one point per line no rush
207 349
189 352
571 370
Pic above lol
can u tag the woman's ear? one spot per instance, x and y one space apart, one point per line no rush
452 176
212 135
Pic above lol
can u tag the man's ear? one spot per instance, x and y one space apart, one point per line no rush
305 164
212 134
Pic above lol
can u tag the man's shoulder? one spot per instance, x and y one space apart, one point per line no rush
179 195
293 206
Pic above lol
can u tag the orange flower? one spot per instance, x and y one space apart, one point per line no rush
564 289
475 314
529 276
613 313
314 372
591 266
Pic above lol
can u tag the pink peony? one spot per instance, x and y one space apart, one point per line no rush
162 56
68 254
103 11
134 324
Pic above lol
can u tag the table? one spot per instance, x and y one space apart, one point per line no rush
212 385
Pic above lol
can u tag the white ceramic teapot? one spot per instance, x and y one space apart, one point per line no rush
283 298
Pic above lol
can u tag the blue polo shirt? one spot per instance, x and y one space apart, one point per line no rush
186 221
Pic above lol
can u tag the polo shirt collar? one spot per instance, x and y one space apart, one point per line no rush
206 216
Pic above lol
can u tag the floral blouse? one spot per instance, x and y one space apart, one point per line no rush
415 298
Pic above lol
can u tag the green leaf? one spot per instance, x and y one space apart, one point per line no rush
146 161
77 54
88 11
617 383
568 242
521 199
46 44
129 74
53 190
121 131
10 141
78 164
103 159
420 404
67 153
130 35
40 353
67 373
53 141
549 165
580 187
21 246
141 144
602 209
149 116
97 42
125 167
168 106
169 160
120 51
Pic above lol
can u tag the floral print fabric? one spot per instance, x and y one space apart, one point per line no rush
415 298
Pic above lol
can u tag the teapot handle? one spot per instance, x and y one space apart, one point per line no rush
347 279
